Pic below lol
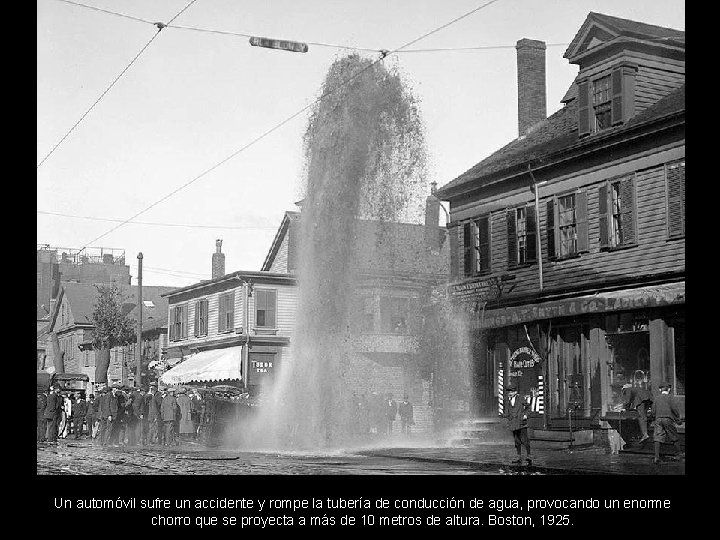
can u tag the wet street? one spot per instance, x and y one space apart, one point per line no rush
81 457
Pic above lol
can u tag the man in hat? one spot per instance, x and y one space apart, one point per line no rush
53 412
79 409
405 409
168 412
41 421
152 414
112 430
638 399
516 411
90 414
667 414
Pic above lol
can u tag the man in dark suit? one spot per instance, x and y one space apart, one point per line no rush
91 414
638 399
79 409
53 410
112 418
667 413
516 411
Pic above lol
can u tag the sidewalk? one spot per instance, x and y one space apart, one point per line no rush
498 457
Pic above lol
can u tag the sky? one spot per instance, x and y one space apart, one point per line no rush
192 99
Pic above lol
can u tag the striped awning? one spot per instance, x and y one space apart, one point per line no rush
205 366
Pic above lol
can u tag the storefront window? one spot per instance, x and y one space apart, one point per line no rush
630 357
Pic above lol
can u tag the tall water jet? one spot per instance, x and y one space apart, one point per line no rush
365 160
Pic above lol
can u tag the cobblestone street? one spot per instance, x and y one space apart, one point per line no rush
82 457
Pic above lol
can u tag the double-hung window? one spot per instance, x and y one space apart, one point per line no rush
226 311
178 322
477 246
616 204
601 100
265 308
567 227
522 235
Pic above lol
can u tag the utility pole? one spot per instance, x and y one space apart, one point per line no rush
138 345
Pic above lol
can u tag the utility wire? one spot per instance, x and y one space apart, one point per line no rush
160 27
288 119
156 224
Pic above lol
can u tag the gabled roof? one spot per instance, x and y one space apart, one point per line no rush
608 28
81 298
558 133
279 236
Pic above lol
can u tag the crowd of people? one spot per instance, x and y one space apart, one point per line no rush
122 416
377 414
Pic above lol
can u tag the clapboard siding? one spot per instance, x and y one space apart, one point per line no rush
653 83
653 254
286 308
280 263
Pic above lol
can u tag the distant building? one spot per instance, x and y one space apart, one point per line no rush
584 292
56 265
399 264
71 319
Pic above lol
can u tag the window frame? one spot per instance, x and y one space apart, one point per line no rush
605 105
178 328
580 215
612 237
226 312
265 292
514 235
473 253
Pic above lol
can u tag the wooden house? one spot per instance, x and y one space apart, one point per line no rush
568 244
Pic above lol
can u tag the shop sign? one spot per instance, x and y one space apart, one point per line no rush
647 298
524 369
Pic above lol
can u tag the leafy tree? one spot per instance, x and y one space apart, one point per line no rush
111 327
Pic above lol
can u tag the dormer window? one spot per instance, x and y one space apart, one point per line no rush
607 100
602 106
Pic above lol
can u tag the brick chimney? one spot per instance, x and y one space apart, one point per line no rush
432 219
218 260
532 107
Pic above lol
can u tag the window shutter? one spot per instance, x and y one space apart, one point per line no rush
581 221
468 248
584 108
617 96
550 220
454 252
171 325
484 241
676 198
531 228
185 320
604 205
221 313
197 317
628 212
230 310
271 309
511 237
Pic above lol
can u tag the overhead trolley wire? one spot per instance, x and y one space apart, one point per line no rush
157 224
160 27
288 119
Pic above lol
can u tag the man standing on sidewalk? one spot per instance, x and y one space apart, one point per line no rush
667 414
168 410
516 411
53 411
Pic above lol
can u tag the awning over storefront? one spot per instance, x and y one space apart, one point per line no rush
622 300
213 365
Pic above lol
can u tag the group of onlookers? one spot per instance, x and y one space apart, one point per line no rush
377 414
121 416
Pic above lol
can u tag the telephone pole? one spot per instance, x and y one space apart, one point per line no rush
138 344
